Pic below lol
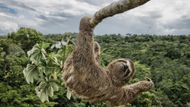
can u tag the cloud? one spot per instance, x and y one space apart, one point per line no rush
59 16
44 14
155 17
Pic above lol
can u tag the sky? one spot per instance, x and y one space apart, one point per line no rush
161 17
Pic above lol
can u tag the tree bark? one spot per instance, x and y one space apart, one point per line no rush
115 8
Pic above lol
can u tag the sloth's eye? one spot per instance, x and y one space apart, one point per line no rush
125 66
125 70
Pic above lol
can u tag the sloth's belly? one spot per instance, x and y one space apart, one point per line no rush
84 90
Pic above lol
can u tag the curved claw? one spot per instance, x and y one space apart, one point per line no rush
150 80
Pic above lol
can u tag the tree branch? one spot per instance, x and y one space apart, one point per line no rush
115 8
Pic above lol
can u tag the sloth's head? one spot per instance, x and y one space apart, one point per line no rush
121 71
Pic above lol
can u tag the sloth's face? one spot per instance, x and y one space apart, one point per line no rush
121 69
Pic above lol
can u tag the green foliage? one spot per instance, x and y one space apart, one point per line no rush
13 88
164 59
26 37
45 67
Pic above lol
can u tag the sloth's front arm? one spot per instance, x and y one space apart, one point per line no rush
126 94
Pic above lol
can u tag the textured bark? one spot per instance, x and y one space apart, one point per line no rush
115 8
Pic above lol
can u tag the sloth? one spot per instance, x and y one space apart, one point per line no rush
86 79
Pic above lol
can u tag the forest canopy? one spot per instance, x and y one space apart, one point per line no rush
164 59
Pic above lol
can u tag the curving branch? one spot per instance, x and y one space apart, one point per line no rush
115 8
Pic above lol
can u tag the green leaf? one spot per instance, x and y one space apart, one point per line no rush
30 73
29 53
43 96
45 90
50 91
41 92
55 86
43 52
68 94
37 53
45 45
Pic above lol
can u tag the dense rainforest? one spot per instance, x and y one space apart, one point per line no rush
164 59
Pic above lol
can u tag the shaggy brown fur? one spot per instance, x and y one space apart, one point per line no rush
97 52
86 79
